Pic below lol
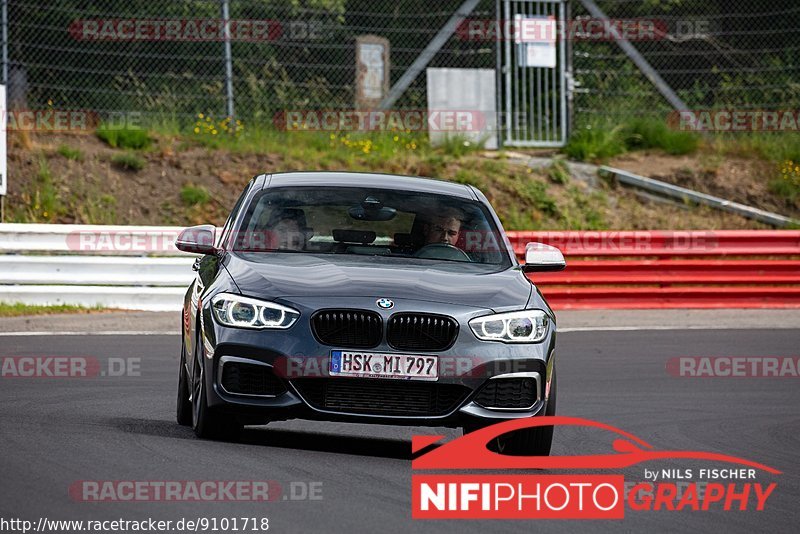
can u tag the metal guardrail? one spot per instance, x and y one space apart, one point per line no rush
683 243
95 270
726 269
89 239
675 272
126 298
125 267
590 298
687 195
139 267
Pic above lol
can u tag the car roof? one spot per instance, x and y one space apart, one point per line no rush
373 180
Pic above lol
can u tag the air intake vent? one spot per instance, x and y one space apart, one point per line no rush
381 397
508 393
250 379
358 329
421 331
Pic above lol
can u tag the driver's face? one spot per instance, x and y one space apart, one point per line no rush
289 235
443 230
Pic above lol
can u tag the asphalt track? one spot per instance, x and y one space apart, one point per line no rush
54 432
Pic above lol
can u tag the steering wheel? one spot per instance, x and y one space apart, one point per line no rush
442 251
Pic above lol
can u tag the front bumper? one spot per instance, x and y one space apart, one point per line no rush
304 387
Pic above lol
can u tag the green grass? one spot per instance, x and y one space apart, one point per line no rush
534 193
787 184
458 145
195 195
653 133
558 172
777 147
785 189
128 161
42 202
595 143
100 209
582 210
324 150
600 142
468 176
18 309
130 138
74 154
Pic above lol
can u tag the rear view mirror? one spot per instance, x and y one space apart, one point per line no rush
543 258
372 209
197 239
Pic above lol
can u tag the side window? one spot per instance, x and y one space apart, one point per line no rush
226 230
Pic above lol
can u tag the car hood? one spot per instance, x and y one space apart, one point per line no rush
281 275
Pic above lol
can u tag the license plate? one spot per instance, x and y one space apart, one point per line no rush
383 365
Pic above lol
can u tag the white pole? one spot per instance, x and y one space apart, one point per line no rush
228 61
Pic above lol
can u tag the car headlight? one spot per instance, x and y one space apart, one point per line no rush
244 312
529 326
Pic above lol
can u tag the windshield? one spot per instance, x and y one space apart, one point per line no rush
374 222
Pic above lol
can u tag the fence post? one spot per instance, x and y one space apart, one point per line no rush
228 62
5 42
4 106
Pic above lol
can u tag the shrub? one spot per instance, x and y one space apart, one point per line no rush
595 143
652 133
787 185
128 161
195 195
127 137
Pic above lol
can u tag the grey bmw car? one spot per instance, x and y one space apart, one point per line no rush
365 298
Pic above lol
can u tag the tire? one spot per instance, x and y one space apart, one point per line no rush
184 408
207 422
535 441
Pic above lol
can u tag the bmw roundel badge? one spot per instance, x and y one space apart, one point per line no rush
386 304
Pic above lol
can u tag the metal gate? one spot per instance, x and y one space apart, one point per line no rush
533 73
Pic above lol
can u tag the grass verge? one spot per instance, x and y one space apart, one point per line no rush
130 138
17 309
599 142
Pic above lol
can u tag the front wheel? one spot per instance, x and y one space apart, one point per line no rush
207 422
184 408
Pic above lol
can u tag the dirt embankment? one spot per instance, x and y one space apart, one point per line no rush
742 180
79 179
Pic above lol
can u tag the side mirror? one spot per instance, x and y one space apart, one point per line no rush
543 258
197 239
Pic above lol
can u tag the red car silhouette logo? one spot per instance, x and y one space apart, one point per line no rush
471 452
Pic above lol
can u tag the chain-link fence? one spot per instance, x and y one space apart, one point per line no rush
740 54
168 58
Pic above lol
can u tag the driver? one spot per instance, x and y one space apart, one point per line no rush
288 230
443 228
